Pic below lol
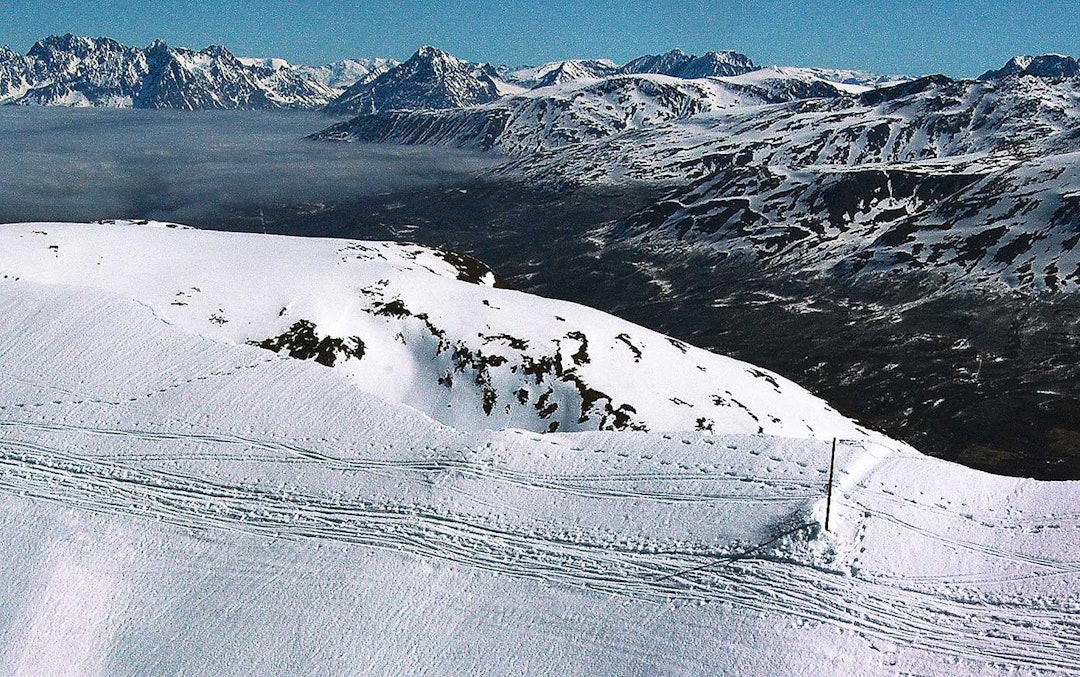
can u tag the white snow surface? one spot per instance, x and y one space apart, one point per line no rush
467 354
175 502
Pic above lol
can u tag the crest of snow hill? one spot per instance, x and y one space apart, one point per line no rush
421 326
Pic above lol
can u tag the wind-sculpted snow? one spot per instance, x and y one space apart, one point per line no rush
156 483
423 327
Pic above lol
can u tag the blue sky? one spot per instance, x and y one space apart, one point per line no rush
901 36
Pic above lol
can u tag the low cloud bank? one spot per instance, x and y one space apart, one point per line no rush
80 165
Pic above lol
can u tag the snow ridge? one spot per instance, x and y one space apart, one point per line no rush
157 481
423 327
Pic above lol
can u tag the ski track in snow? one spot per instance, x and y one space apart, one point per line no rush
956 622
107 409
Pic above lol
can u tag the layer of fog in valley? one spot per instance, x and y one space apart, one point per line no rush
79 164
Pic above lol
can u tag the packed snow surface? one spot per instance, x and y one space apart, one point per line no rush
174 500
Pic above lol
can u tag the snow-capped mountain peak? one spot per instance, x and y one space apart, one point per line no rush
69 70
678 63
429 79
430 53
1043 66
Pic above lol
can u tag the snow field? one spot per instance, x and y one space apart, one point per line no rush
175 502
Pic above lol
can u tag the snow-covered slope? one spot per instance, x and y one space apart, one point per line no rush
996 225
423 327
174 503
76 71
558 116
431 78
970 181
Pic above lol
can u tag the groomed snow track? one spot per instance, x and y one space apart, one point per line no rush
776 578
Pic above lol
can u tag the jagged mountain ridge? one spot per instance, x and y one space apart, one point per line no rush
679 64
1043 66
431 78
575 112
69 70
75 71
557 72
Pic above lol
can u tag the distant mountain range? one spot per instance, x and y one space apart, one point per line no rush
75 71
773 166
69 70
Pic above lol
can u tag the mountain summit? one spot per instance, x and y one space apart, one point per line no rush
431 78
679 64
1044 66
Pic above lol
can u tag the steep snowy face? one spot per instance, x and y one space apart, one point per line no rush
573 71
75 71
215 79
1044 66
679 64
557 72
421 326
431 78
